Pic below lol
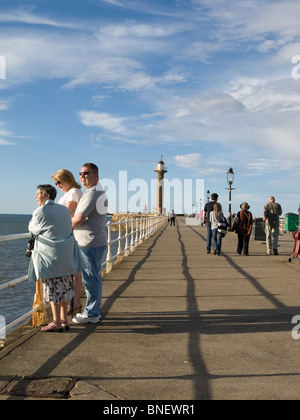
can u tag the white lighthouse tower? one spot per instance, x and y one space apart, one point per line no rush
160 170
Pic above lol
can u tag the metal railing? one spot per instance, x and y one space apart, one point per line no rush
136 232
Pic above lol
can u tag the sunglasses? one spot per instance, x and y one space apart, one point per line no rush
58 183
84 173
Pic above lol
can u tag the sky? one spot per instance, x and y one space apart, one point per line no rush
208 85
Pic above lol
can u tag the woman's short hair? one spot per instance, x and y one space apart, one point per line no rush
48 189
63 175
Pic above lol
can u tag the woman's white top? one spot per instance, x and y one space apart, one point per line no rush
214 220
74 194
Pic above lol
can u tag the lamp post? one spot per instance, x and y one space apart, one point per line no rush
230 180
208 195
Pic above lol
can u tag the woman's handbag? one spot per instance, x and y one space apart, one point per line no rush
222 226
30 246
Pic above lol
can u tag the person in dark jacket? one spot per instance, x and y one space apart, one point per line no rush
242 225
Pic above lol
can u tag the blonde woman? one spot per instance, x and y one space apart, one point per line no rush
65 180
216 216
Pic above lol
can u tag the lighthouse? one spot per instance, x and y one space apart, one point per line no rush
160 170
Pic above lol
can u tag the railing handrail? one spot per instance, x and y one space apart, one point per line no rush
6 238
143 229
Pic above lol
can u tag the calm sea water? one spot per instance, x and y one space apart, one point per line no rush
15 301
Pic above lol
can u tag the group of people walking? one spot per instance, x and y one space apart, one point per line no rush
217 225
70 240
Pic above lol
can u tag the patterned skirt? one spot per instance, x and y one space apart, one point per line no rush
59 289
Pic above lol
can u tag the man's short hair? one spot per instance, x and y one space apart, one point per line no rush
48 189
93 167
214 196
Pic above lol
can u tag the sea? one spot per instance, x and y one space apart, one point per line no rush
16 301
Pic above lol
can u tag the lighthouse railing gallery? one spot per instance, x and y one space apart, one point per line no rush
131 234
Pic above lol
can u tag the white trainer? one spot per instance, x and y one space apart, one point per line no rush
84 319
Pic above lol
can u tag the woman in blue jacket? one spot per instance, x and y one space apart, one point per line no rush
55 256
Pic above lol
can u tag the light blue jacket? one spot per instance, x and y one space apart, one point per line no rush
55 252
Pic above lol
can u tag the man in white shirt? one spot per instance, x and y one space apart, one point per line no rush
89 230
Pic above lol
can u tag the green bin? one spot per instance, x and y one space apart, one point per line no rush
291 222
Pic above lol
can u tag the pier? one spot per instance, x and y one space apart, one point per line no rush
177 324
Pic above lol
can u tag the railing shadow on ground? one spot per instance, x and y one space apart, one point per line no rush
50 365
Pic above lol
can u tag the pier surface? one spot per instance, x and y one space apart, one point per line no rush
178 324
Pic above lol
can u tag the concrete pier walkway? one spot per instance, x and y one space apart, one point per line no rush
178 324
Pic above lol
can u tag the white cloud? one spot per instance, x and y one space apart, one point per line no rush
5 135
199 164
113 2
192 160
26 16
102 120
247 113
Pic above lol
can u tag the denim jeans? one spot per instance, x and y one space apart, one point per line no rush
209 236
91 279
217 240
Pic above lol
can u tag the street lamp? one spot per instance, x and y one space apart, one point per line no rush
208 195
230 180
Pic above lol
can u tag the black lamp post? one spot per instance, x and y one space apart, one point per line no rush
230 180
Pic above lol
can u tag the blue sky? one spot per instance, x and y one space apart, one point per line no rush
208 85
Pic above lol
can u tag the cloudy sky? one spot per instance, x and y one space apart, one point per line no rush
206 84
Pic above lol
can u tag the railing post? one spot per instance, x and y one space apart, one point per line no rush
144 229
136 233
152 225
109 256
126 251
119 257
141 231
132 236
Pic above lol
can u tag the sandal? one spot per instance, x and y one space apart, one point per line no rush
52 328
65 325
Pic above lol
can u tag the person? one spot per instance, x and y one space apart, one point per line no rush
65 180
242 225
216 217
208 208
55 256
201 217
89 224
173 217
272 211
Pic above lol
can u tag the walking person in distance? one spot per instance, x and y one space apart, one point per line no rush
173 217
242 225
206 219
216 218
272 211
